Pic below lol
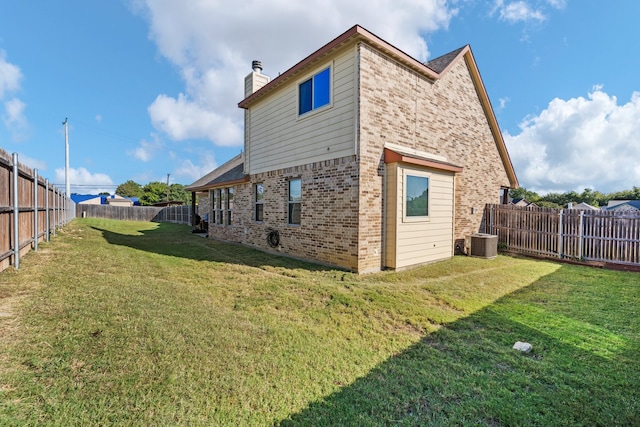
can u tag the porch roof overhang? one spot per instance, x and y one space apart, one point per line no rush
219 184
392 156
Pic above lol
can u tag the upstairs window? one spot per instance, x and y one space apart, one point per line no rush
315 92
295 201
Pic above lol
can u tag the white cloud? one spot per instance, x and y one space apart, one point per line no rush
518 11
579 143
14 119
10 76
193 172
502 102
147 149
184 119
558 4
32 163
213 44
83 181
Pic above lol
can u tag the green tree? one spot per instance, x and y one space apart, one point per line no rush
153 192
130 189
544 204
523 193
178 193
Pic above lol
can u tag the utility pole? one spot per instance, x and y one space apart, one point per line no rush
168 188
67 186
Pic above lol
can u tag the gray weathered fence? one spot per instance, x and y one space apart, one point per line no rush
31 210
174 214
593 235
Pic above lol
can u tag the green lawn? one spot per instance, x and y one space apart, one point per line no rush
132 323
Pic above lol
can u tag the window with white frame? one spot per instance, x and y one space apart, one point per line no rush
315 92
295 201
259 202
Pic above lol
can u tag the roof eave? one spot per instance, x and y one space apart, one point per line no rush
353 35
219 184
391 156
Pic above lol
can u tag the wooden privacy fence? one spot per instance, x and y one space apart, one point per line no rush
174 214
31 209
592 235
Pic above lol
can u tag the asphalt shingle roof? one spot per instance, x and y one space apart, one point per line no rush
440 63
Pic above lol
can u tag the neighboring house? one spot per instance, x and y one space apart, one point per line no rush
362 157
524 203
86 199
623 206
114 200
581 206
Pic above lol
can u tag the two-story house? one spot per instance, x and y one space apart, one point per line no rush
362 157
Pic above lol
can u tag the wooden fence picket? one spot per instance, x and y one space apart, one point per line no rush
594 235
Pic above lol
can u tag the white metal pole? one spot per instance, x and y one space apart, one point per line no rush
67 186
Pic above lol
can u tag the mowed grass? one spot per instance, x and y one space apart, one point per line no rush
131 323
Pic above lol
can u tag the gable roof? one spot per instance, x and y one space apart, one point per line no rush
441 63
432 70
231 172
80 198
627 205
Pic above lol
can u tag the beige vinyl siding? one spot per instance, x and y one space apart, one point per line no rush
419 241
279 138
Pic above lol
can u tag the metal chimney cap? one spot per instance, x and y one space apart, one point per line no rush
257 66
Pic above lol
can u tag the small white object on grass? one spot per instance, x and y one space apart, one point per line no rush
524 347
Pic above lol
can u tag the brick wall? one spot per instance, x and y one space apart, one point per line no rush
204 205
342 216
328 229
445 118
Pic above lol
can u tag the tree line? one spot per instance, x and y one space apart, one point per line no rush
561 200
154 192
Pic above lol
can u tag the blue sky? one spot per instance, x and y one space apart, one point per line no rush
151 87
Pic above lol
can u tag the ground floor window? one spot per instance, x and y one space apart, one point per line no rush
416 195
213 199
221 205
295 201
229 205
259 202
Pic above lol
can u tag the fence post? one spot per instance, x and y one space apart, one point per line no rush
16 213
55 210
35 210
560 233
46 208
580 234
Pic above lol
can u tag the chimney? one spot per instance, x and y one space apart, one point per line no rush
255 80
